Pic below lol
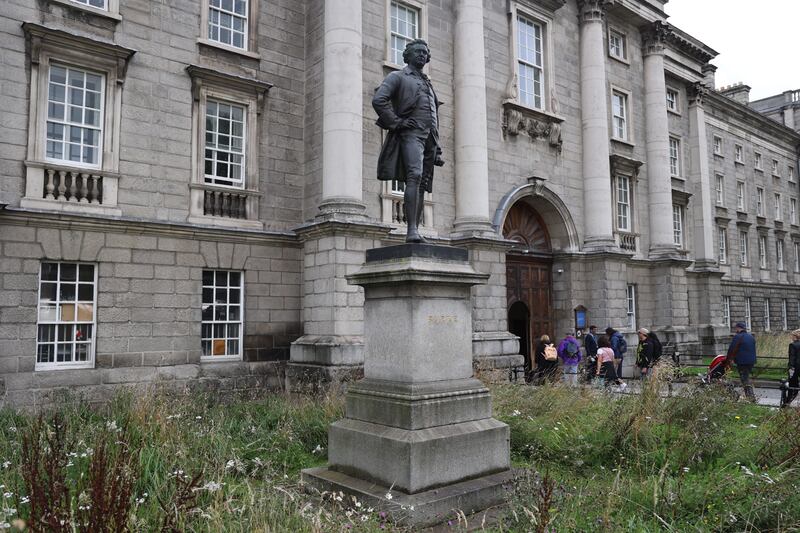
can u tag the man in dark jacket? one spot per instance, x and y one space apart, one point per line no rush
407 106
794 367
619 345
590 345
645 353
743 352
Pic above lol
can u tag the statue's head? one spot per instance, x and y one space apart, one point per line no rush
412 48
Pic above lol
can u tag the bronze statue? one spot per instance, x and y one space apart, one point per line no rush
407 106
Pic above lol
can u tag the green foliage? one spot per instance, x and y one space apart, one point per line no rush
587 461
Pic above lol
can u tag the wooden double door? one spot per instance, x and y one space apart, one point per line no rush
529 282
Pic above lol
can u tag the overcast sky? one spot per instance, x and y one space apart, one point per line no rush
756 40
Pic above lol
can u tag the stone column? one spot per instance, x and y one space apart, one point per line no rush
471 140
594 122
342 139
657 142
699 173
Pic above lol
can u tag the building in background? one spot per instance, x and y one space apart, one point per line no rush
187 186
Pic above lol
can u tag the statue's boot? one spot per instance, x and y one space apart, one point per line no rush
420 211
410 203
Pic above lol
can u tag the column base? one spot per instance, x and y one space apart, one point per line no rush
600 244
416 510
473 227
342 206
324 361
662 252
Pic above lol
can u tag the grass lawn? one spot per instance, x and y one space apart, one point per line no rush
587 461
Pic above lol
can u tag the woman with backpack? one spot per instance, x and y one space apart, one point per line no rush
570 353
546 358
605 363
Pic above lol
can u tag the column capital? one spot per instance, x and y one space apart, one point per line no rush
592 10
696 93
654 37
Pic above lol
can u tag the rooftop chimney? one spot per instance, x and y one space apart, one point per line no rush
738 92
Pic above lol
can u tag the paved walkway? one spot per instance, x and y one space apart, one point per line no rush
767 396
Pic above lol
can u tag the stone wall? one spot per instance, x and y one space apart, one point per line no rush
148 310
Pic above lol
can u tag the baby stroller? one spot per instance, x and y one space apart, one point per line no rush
717 369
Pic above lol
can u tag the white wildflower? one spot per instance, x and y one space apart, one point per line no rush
746 470
389 496
686 469
212 486
6 464
515 413
25 499
768 479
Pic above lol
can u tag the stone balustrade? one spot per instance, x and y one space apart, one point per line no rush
70 185
225 203
627 241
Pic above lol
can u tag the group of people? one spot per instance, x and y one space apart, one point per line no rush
604 355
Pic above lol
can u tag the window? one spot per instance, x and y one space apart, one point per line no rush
743 248
793 210
674 156
222 315
99 4
779 253
767 324
726 310
719 180
226 133
228 22
717 145
673 100
722 242
66 316
785 314
631 300
748 314
404 27
775 167
76 82
757 158
617 45
624 203
796 256
677 225
225 177
759 201
762 251
738 153
619 111
530 62
74 116
740 203
778 210
791 173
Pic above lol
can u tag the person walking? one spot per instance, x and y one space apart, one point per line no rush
590 347
619 345
742 351
605 363
645 353
570 353
546 364
794 368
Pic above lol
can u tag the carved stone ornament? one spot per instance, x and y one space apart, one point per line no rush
518 119
592 10
655 36
696 92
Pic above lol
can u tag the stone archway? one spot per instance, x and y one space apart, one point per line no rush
529 274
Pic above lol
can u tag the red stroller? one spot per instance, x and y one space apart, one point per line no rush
716 370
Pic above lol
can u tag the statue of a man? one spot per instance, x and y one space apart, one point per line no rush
407 106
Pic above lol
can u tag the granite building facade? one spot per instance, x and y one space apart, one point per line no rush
186 187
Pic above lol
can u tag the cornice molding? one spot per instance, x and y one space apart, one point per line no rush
76 222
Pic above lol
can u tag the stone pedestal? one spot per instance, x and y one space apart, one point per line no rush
418 426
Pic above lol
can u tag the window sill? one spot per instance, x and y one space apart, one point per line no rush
622 60
532 112
230 49
51 367
673 112
221 359
738 162
756 169
623 142
102 13
389 66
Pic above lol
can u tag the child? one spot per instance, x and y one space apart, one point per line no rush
605 363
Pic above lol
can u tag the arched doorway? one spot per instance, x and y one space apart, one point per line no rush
528 275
